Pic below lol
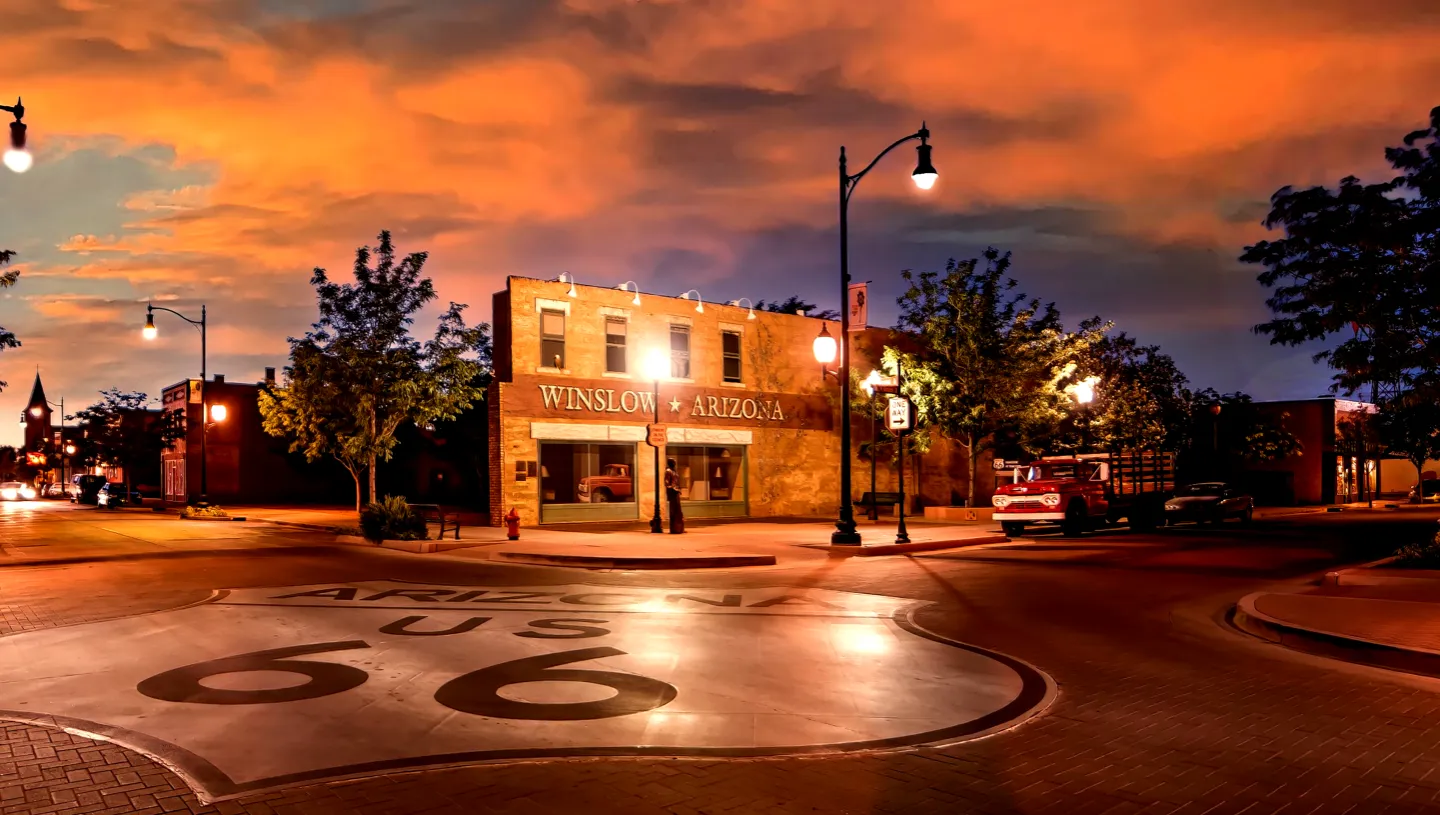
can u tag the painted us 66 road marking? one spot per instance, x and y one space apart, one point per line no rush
265 688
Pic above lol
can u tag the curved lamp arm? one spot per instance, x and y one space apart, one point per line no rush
197 323
852 180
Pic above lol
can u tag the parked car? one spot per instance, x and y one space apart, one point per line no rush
612 484
112 496
1212 501
84 489
16 491
56 490
1427 491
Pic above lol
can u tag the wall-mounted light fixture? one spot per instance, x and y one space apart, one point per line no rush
751 307
699 301
636 289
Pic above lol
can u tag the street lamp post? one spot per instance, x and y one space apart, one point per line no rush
17 158
657 365
149 333
924 176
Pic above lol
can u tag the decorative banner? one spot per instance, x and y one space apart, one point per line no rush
859 306
195 391
341 679
606 399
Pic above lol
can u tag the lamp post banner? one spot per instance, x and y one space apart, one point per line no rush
859 306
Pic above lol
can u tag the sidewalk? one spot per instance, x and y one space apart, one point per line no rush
1379 616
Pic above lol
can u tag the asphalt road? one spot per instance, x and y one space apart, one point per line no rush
1159 706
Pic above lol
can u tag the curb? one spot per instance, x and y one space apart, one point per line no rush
1343 647
630 563
921 546
1337 577
266 551
298 525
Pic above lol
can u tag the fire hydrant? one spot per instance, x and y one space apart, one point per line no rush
512 525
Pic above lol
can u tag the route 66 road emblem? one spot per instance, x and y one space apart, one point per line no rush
263 688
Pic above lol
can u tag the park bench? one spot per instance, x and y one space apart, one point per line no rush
879 499
436 514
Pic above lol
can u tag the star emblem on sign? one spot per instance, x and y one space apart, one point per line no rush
674 405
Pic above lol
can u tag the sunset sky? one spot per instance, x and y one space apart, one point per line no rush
1124 150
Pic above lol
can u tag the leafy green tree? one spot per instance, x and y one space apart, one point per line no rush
1248 433
1360 262
991 360
8 278
794 305
1140 396
120 431
358 374
1410 425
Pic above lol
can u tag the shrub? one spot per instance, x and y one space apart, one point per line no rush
392 519
211 511
1418 555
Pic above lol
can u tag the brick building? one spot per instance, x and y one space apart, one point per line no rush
748 418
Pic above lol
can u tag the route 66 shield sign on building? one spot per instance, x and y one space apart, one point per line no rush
350 679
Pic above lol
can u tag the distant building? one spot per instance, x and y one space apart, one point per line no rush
1329 468
244 463
44 449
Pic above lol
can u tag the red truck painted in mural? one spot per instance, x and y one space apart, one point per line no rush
613 484
1085 491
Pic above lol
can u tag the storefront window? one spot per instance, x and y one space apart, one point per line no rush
680 351
583 473
709 473
730 348
615 345
552 338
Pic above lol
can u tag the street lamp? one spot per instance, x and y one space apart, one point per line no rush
924 178
1084 393
654 367
149 332
17 158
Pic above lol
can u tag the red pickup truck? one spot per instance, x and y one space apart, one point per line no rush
614 483
1086 491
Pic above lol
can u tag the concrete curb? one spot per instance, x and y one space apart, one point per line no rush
1343 647
263 551
634 563
903 548
1339 576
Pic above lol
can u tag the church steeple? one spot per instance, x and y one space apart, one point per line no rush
37 395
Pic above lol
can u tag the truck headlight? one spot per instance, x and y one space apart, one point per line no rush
1050 500
1000 501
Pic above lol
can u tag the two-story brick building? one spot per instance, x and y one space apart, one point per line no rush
747 417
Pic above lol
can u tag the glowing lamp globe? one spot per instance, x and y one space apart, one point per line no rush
36 411
18 160
924 175
825 346
656 365
218 413
149 332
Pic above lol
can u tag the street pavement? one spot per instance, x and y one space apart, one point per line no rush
1110 678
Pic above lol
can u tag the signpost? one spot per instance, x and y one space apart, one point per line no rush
899 418
656 436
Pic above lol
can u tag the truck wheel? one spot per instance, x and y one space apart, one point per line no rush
600 497
1012 528
1074 524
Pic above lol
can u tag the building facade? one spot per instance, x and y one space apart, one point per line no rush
44 458
745 413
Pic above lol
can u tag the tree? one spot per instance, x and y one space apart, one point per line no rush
1250 434
1409 424
119 431
794 305
1140 396
1362 259
358 374
8 278
991 359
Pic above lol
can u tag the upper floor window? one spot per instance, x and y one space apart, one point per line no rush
730 353
680 351
552 339
615 332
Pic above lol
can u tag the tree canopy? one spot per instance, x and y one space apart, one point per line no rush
358 374
8 278
992 359
795 305
120 431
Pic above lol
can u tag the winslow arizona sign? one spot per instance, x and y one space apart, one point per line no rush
609 399
339 680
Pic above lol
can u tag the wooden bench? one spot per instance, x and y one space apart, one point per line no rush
435 514
870 499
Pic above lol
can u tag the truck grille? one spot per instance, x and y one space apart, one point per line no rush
1026 504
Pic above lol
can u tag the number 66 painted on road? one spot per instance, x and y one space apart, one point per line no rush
476 692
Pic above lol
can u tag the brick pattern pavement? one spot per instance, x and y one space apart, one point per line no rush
1151 717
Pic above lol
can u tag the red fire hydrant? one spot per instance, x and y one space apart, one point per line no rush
512 525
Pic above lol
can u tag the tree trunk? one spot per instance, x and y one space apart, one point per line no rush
974 470
372 457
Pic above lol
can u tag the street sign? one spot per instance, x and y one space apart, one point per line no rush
505 672
656 437
899 415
